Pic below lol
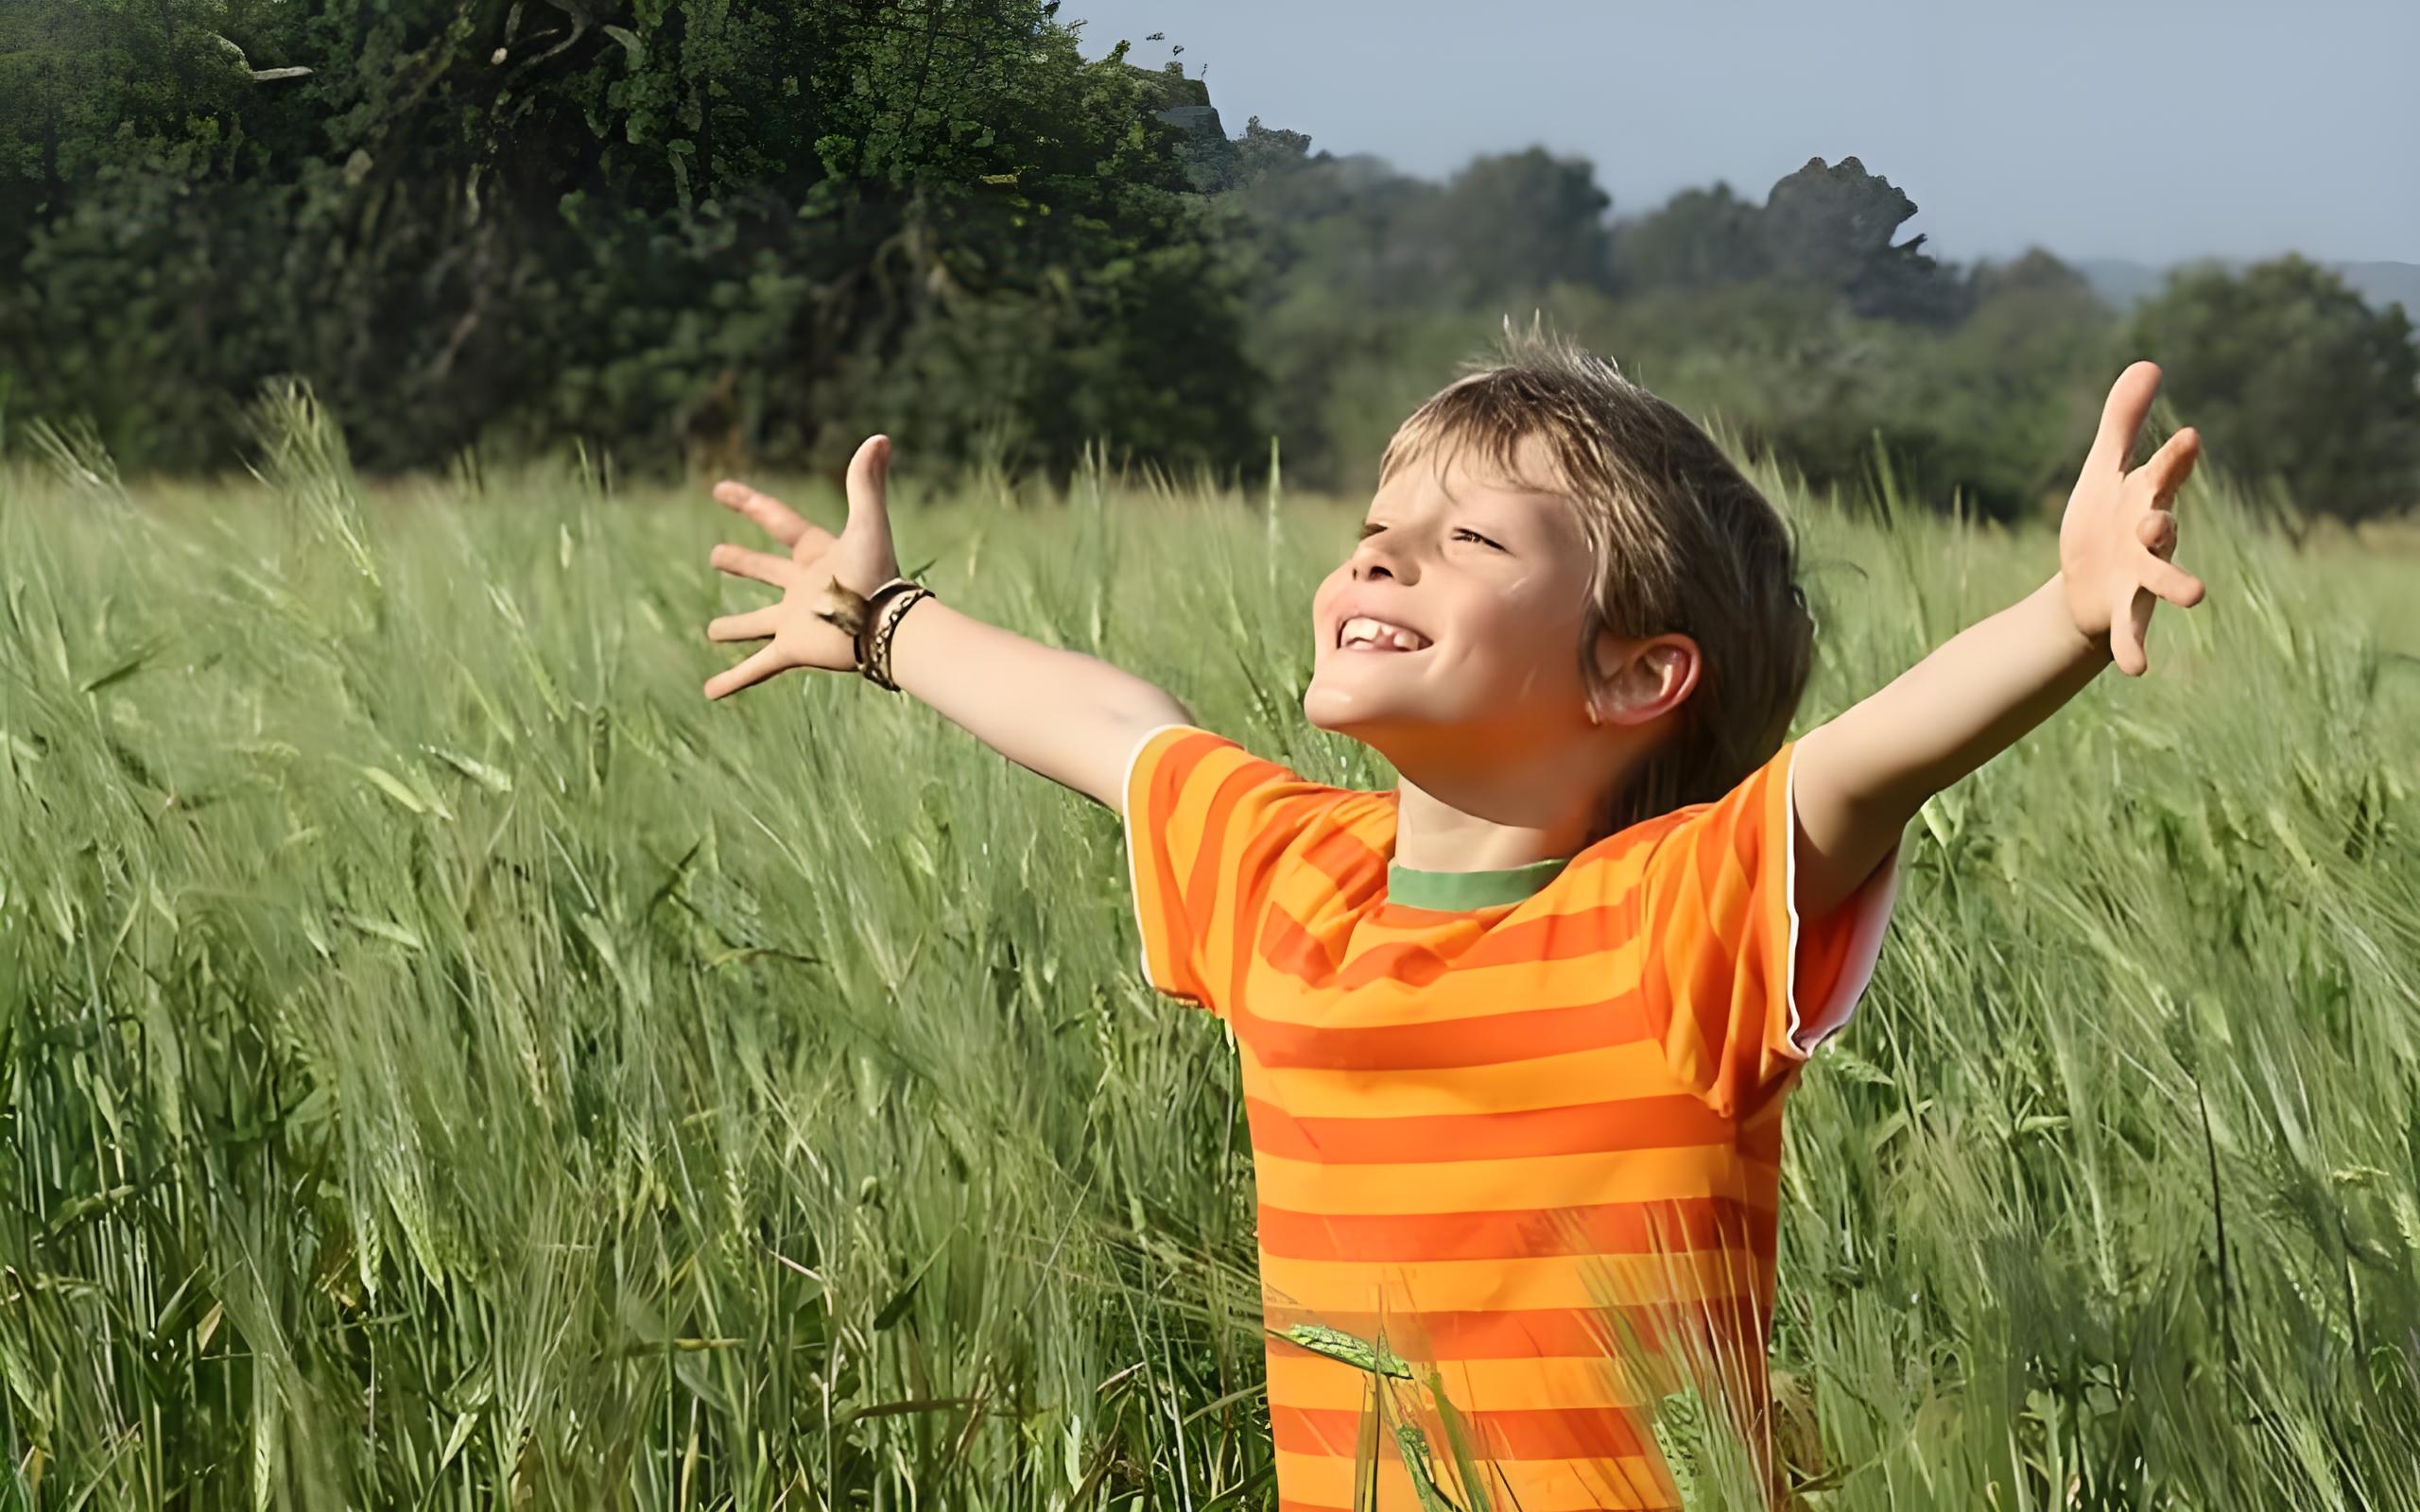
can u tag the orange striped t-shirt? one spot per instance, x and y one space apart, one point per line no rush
1503 1124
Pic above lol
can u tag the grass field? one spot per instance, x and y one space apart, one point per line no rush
447 1063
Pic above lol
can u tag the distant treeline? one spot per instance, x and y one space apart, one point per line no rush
745 232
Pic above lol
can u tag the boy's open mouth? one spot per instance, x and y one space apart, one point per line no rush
1363 633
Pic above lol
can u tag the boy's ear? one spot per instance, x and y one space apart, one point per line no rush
1644 679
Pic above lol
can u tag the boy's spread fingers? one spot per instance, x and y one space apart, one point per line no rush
755 669
2184 468
741 562
2126 644
2171 465
753 626
2171 582
2121 418
779 521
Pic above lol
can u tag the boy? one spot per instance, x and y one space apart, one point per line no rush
1515 1035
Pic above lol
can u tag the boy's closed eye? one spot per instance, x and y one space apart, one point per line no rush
1369 530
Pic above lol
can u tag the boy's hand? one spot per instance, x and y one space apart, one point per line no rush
2118 533
814 624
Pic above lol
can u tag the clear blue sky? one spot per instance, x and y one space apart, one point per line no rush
2154 130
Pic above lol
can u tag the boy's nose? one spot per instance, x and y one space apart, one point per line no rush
1376 558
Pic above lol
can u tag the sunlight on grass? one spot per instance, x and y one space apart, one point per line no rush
447 1063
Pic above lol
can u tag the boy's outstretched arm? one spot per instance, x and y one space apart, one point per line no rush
1071 717
1860 777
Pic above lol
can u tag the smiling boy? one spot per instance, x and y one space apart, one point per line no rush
1515 1035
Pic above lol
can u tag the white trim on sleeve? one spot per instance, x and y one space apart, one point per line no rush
1872 901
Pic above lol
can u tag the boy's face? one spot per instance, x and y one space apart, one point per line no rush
1493 578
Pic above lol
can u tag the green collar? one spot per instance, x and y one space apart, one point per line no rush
1462 891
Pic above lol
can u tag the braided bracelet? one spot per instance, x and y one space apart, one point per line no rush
877 667
866 613
869 611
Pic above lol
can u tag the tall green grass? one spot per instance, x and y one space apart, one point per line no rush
447 1063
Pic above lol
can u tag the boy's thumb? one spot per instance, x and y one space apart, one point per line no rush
869 472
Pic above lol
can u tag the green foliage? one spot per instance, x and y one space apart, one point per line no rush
445 1063
509 226
2294 379
1798 323
89 86
1698 237
1219 163
1824 227
1512 222
1996 411
738 233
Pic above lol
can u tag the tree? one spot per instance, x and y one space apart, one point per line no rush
1823 228
1513 223
1700 238
1220 165
1830 228
474 221
2289 376
2012 394
2036 271
1263 150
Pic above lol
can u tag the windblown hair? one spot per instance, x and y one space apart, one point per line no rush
1679 540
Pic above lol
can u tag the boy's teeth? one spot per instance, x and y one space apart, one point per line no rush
1363 630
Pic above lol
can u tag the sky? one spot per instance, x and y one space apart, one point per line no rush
2147 129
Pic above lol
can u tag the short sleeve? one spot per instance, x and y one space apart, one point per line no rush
1209 827
1741 987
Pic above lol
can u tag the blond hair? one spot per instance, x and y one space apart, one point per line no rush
1679 541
